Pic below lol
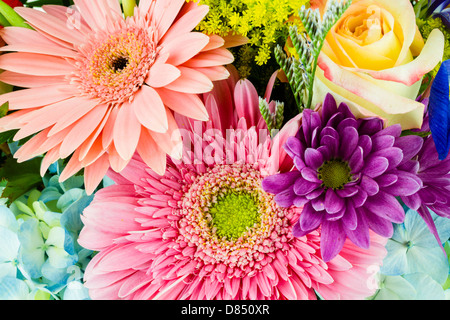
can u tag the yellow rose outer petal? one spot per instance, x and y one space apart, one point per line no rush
364 98
413 71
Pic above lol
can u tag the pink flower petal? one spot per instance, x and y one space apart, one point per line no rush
151 154
81 130
161 74
149 109
189 105
35 97
35 64
127 130
192 43
165 13
29 81
187 22
94 173
191 81
51 25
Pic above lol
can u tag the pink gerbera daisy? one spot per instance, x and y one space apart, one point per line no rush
207 230
98 87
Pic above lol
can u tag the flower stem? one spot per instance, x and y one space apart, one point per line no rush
128 7
12 17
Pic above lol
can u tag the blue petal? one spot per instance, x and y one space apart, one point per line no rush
426 287
439 110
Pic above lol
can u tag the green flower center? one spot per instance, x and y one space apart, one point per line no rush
233 214
334 174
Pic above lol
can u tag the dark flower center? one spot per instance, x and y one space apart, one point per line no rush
119 64
334 174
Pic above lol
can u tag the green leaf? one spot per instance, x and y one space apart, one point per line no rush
12 16
20 177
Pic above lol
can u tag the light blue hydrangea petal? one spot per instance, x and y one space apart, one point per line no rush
8 219
30 235
13 289
32 261
70 218
50 194
395 288
9 245
7 269
400 234
76 291
52 219
56 237
59 258
58 276
107 181
72 183
426 287
395 262
430 261
70 197
417 229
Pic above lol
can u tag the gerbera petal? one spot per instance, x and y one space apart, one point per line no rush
127 130
189 105
161 74
191 43
35 97
186 22
149 110
35 64
211 58
164 14
29 81
94 173
151 154
51 25
81 130
170 141
191 81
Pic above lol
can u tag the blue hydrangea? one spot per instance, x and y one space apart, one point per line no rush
40 257
416 268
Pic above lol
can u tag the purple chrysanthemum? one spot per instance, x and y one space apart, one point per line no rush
435 176
347 176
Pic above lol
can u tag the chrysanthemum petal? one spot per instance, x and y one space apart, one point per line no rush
332 239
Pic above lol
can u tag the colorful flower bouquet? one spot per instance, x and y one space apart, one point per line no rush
225 150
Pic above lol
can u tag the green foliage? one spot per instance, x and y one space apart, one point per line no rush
20 177
300 68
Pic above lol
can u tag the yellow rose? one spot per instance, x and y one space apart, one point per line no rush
374 59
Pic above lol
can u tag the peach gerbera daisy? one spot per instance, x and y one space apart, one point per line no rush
98 87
